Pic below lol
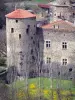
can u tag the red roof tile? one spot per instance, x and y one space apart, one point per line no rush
60 25
20 13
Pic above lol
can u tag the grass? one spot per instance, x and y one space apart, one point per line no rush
42 1
46 83
63 87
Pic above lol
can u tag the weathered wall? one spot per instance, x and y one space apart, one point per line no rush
21 52
56 53
62 11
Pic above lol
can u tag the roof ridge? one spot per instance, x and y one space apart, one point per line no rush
20 13
61 25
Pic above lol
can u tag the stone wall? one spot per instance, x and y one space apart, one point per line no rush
21 44
56 53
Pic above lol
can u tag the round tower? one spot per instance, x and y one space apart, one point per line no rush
21 40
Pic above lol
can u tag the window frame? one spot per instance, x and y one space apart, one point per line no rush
64 45
48 60
12 30
64 62
47 43
27 29
19 36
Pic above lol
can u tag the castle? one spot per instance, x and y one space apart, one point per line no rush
48 49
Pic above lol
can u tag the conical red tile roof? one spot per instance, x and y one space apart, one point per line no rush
20 13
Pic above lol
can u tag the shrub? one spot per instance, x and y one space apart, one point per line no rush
2 62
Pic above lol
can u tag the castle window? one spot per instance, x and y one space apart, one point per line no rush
33 42
33 57
31 37
64 45
31 51
70 69
20 52
64 62
47 44
19 36
48 60
27 30
16 21
28 26
12 30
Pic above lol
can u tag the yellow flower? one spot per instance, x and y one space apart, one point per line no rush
65 92
46 92
32 86
55 97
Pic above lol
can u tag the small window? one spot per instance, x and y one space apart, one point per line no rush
58 73
48 60
12 30
64 62
70 69
47 44
31 51
27 31
64 45
16 21
20 52
31 37
33 42
28 28
19 36
34 25
33 57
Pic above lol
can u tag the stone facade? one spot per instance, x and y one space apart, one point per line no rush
63 9
21 43
52 57
49 50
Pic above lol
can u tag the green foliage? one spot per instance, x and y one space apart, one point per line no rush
44 91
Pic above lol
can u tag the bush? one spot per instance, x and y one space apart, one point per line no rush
2 62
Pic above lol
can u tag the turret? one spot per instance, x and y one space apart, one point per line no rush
21 40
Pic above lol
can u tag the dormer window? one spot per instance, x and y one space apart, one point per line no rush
56 26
